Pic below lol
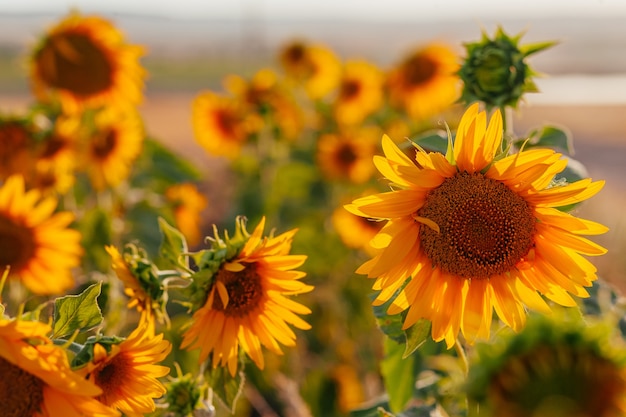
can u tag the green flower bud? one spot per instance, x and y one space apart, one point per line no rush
495 71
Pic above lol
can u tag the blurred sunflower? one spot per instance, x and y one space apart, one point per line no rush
476 233
127 372
355 231
15 142
553 368
141 283
426 82
246 305
113 145
83 61
35 241
313 66
347 155
36 377
188 204
221 124
360 92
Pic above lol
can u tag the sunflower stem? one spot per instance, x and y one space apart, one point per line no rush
460 351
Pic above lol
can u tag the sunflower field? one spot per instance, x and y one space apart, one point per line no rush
386 244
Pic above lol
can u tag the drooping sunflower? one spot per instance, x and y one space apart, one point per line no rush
36 242
426 82
112 146
84 61
37 379
313 66
127 372
141 283
553 368
360 92
246 305
188 205
475 233
347 155
221 124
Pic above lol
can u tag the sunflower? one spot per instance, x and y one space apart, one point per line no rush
188 205
141 283
355 231
15 142
221 124
426 82
127 372
360 92
112 146
36 377
37 244
347 155
246 305
553 368
83 61
475 232
313 66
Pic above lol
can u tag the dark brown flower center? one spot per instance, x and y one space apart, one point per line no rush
21 393
73 62
349 89
52 146
103 144
485 228
17 244
558 382
14 139
295 54
112 376
226 122
244 288
345 155
419 70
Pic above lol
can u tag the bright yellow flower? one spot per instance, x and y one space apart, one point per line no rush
348 155
426 82
112 146
246 305
221 124
37 379
188 205
35 241
127 373
313 66
84 61
360 92
476 234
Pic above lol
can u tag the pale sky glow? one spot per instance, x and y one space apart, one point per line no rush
335 9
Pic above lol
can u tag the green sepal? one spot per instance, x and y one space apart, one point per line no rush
416 336
85 355
226 388
433 141
77 312
173 247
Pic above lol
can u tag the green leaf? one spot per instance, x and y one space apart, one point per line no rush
433 140
390 325
416 336
399 374
77 312
226 388
173 246
95 228
552 137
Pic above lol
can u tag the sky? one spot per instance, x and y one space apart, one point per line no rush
337 9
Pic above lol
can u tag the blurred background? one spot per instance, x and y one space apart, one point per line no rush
192 44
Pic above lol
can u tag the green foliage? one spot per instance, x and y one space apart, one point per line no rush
399 374
173 247
95 227
74 313
227 388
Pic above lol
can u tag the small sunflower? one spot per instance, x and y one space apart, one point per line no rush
112 146
246 305
220 124
347 155
360 92
313 66
141 283
188 205
37 379
426 82
355 231
474 233
553 368
16 138
127 372
36 242
83 61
